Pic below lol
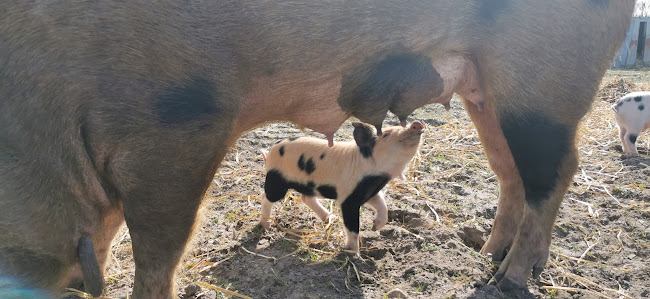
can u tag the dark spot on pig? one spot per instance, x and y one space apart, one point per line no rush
301 162
310 166
293 138
641 107
599 2
538 145
185 103
368 187
628 99
633 138
322 156
638 99
276 186
489 10
327 191
365 138
281 151
401 83
306 189
619 104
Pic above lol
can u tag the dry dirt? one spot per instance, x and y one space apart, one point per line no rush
439 218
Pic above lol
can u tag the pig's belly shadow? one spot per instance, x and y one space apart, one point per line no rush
263 268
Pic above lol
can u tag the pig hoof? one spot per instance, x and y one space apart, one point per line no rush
352 248
265 223
329 219
378 224
506 284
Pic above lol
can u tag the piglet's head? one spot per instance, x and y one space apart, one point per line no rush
393 149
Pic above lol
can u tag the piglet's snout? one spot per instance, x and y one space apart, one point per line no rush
417 127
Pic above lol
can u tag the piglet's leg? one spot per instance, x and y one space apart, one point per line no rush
629 140
352 242
322 213
378 203
350 211
265 217
621 134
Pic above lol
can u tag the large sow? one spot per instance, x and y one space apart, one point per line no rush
123 110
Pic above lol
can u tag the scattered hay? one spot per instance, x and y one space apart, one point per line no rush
612 89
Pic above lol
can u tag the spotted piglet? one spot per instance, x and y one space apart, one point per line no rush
352 173
632 114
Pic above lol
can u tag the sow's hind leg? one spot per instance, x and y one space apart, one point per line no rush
534 160
511 188
538 114
160 209
163 174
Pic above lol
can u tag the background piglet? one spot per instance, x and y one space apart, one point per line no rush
352 173
632 114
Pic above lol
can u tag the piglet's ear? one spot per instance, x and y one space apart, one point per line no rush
365 138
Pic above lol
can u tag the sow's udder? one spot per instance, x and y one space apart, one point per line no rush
404 82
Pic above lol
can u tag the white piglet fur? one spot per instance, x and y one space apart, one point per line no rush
352 173
632 114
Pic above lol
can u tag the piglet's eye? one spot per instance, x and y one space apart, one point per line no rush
386 135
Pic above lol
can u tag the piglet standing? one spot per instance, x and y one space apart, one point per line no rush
632 114
352 173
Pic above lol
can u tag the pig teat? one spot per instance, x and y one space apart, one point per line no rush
330 140
378 127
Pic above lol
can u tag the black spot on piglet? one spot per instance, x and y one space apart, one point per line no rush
641 107
327 191
301 162
310 166
281 151
633 138
638 99
276 186
368 187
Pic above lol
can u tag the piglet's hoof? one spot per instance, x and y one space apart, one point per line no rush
378 224
352 249
330 219
265 223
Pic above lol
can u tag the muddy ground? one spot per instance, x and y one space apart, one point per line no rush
440 216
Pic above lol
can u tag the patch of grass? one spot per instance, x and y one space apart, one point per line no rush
429 247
